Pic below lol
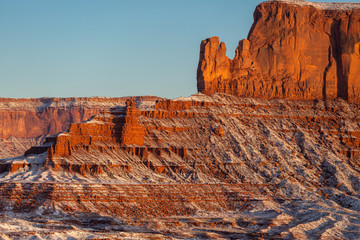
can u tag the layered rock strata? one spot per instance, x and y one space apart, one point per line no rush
35 117
203 154
26 122
295 50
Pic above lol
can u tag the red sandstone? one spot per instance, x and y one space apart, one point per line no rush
292 52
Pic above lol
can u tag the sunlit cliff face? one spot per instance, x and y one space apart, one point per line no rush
295 50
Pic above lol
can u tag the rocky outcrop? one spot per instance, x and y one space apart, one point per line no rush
132 132
120 126
295 50
118 129
31 118
26 122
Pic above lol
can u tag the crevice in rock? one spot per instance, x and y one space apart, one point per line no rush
342 81
326 72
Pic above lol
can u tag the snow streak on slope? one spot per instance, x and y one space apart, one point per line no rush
217 167
322 5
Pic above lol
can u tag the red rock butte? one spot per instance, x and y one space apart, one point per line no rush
295 50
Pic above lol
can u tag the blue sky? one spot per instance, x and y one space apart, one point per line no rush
112 48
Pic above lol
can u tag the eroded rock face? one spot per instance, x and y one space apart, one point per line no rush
295 50
26 122
119 127
31 118
132 131
279 160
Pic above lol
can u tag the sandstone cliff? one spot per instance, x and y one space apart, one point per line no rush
295 50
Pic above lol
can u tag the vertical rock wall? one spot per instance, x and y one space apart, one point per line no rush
295 50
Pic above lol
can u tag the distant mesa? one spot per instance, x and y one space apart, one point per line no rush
295 50
25 122
35 117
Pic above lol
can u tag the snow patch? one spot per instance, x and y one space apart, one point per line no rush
200 97
322 5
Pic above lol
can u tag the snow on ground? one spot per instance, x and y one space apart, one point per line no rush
304 167
40 104
322 5
300 220
200 97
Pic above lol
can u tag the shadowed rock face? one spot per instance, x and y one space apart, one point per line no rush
294 50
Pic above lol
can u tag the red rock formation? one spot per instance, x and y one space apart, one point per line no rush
203 154
148 133
120 128
31 118
295 50
132 131
25 122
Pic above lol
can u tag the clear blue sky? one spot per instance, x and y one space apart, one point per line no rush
112 48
